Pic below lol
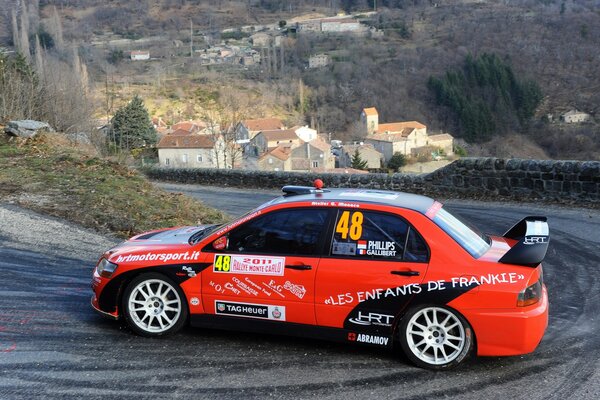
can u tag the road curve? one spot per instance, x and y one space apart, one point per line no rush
52 345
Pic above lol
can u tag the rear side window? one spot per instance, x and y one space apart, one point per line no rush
376 236
281 232
473 241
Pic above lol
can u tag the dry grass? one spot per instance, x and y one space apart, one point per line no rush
49 175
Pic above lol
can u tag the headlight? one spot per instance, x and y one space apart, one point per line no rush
105 268
530 295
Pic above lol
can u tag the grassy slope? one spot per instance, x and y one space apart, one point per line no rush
48 175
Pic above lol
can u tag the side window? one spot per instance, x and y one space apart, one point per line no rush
373 235
281 232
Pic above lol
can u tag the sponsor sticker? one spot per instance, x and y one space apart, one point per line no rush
376 248
370 339
194 301
297 290
251 265
162 257
220 243
248 310
343 249
370 318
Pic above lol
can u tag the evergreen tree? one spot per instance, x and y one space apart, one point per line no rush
357 162
486 97
132 126
397 161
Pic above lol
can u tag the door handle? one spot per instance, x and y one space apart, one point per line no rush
299 267
406 273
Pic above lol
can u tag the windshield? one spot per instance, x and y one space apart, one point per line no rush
469 237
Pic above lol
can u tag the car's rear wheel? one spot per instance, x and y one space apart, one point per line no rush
435 337
154 305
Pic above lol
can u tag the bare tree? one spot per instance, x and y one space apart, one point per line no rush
24 39
15 30
55 27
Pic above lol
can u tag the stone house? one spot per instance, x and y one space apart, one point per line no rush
366 152
336 25
403 137
318 60
267 140
312 155
574 117
277 159
248 128
261 39
191 151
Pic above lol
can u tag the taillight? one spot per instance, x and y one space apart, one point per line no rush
531 295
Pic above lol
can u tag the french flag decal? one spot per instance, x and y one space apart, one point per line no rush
361 247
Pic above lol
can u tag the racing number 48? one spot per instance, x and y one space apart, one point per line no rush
350 225
223 263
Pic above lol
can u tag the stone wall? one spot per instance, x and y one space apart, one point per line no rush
565 182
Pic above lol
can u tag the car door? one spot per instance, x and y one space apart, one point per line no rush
375 263
266 268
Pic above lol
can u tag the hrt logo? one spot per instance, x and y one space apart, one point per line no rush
372 319
535 240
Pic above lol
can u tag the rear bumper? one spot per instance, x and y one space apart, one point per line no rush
509 332
96 307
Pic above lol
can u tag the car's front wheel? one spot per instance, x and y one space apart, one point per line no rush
154 305
435 337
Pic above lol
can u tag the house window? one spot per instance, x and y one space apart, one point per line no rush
270 161
315 164
199 158
184 158
167 161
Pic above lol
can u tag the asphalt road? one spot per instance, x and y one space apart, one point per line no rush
52 345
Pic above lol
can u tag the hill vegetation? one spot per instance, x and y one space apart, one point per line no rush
486 97
49 174
551 42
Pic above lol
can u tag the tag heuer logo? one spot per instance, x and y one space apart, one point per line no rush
221 307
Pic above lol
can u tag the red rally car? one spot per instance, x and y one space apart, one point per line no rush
368 267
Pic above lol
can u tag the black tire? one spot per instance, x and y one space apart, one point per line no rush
162 307
435 337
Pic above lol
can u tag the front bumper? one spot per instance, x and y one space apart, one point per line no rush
95 306
509 332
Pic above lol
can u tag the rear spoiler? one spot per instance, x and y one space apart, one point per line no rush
532 235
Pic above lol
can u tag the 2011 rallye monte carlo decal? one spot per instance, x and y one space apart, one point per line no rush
364 267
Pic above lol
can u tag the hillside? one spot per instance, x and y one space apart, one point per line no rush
552 42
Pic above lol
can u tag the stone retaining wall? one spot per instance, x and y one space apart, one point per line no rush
566 182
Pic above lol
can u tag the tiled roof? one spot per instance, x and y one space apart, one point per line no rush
395 127
320 144
440 137
186 142
180 132
263 124
351 148
279 135
370 111
189 126
391 137
339 171
280 152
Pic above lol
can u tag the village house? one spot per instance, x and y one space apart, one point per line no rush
337 25
367 153
248 128
139 55
318 60
574 117
266 140
312 155
277 159
189 127
191 151
403 137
